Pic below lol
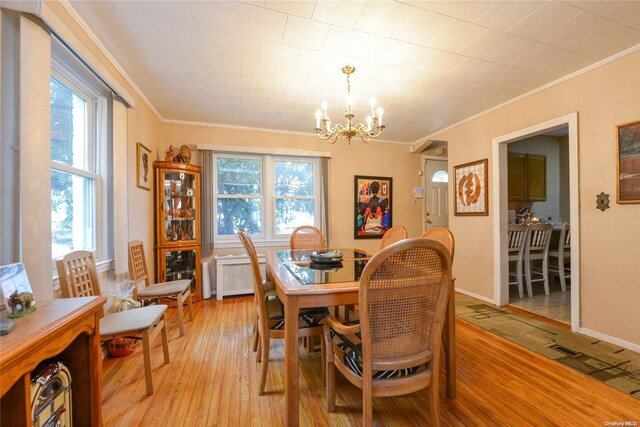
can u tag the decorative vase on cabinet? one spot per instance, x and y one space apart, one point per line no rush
178 224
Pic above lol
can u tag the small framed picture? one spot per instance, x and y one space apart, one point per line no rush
143 162
628 136
471 189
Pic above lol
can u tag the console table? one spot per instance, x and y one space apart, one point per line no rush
64 330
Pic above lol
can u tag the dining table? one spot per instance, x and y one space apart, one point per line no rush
300 283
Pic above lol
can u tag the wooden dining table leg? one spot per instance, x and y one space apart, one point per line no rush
450 346
291 403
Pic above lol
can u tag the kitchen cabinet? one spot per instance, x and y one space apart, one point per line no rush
527 177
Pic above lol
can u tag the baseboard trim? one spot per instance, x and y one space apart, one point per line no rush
612 340
476 296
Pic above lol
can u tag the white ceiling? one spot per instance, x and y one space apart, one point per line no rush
269 64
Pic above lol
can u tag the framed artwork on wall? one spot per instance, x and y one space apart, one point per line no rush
372 213
628 145
143 166
471 189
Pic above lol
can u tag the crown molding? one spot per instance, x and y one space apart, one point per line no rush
268 130
575 74
94 38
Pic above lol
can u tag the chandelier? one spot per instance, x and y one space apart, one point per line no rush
372 129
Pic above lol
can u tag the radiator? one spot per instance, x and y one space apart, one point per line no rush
233 275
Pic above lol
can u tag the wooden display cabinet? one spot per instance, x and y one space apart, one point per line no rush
178 224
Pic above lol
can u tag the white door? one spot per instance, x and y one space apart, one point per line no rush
436 185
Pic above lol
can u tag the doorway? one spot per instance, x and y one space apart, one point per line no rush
436 188
501 206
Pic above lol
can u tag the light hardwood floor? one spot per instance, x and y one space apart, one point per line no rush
212 380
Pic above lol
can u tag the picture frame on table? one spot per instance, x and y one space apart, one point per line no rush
628 163
143 167
373 206
471 189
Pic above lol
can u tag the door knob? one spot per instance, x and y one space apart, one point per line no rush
429 221
428 213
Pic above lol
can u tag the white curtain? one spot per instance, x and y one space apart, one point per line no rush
120 197
324 197
207 200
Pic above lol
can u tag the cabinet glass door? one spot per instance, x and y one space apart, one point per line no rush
181 265
179 208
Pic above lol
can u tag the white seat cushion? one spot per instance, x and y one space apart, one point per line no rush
164 289
135 320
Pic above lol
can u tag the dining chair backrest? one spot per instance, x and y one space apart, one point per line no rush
137 265
258 290
539 237
403 295
517 237
442 235
307 237
78 275
393 235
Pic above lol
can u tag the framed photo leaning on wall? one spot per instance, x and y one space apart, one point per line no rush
471 189
143 167
628 147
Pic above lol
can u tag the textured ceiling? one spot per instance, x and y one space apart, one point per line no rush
269 64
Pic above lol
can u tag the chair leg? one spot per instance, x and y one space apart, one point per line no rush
330 374
147 362
180 314
256 335
519 274
259 350
527 270
545 274
165 340
190 302
264 344
432 394
367 408
563 282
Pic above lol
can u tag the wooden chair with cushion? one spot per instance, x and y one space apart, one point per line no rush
270 313
79 278
307 237
537 248
178 290
393 235
516 241
561 255
394 350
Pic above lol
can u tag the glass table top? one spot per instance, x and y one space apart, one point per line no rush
310 273
314 274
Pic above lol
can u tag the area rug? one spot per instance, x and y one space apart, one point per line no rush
605 362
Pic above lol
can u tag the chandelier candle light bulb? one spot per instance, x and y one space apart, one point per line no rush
372 129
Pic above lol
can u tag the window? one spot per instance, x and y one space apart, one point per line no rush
267 196
75 166
440 176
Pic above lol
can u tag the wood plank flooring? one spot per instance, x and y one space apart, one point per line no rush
213 377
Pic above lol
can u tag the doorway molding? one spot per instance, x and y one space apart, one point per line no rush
423 167
499 188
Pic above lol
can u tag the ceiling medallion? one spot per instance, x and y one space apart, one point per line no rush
372 129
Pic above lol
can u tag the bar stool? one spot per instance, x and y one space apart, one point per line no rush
561 255
537 248
517 238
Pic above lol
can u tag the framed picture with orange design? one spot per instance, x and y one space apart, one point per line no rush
471 189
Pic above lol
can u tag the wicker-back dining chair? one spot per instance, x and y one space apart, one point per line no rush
270 313
393 235
79 278
444 236
307 237
394 350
